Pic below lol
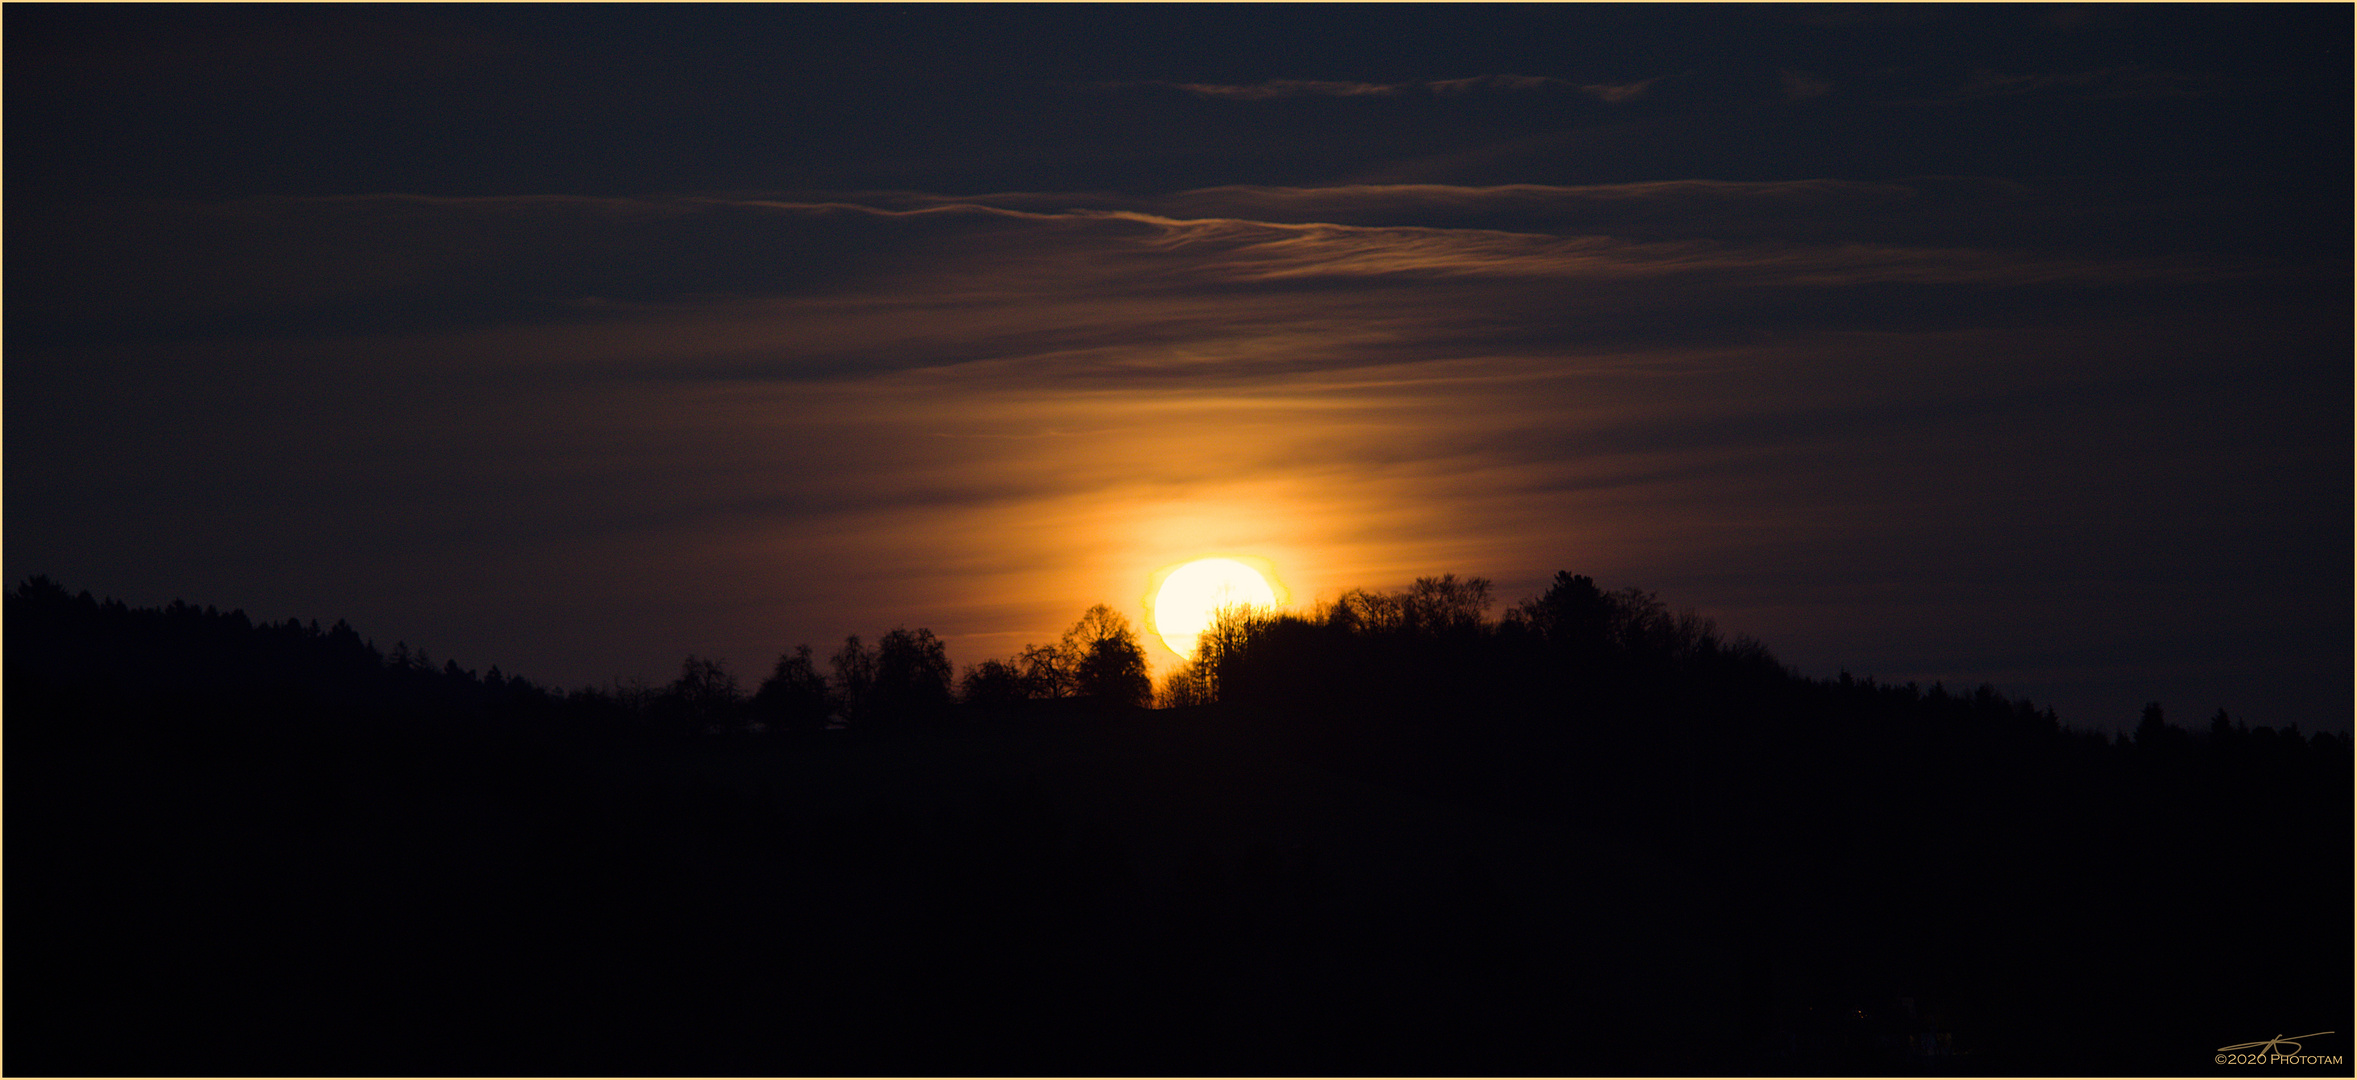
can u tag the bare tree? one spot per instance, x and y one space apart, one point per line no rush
1048 671
1231 628
1445 603
1190 684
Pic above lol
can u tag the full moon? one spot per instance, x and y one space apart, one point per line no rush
1194 593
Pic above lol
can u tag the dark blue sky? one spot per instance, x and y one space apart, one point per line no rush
2005 343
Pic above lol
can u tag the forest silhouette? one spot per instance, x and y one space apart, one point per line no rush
1391 834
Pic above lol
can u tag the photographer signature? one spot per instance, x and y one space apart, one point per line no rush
2268 1046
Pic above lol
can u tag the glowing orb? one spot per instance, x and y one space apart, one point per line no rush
1193 595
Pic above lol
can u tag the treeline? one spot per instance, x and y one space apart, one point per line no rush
904 679
1855 844
90 656
1432 647
1428 655
1576 655
73 660
262 845
276 848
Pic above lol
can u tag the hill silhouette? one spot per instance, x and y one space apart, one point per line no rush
1393 835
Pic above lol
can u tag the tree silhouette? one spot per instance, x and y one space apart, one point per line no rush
1110 666
1048 671
795 696
1198 681
1188 684
1861 845
992 684
1445 604
1429 606
1572 615
2154 733
855 676
912 674
1098 657
704 697
2221 725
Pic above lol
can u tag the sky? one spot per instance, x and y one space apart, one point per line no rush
2005 344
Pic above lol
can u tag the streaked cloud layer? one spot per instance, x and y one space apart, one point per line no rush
1291 88
2082 437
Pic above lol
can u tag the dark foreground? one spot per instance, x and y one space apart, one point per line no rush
257 883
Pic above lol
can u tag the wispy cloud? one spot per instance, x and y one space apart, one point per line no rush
1289 88
985 412
1450 289
1250 250
1620 92
403 260
1496 82
1273 89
